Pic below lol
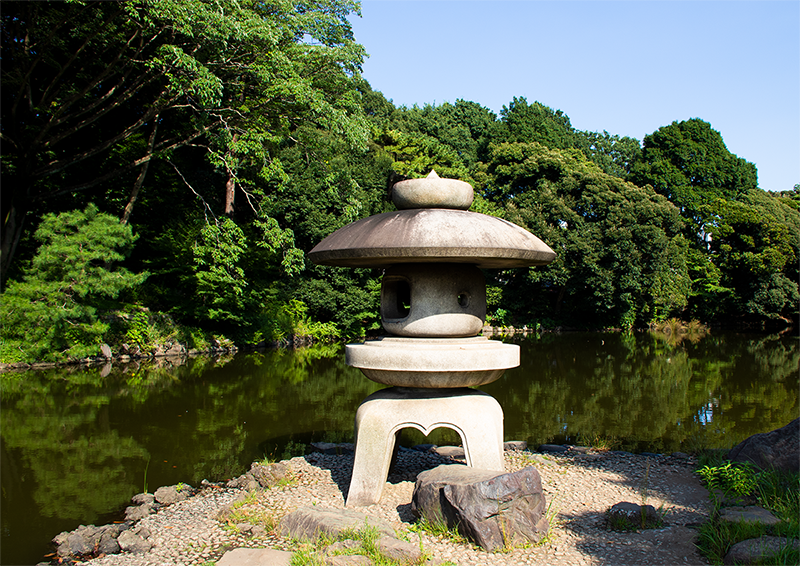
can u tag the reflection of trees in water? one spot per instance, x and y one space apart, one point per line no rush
87 440
713 392
61 433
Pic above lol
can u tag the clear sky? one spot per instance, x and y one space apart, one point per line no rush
628 67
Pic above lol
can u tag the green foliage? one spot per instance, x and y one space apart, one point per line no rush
621 258
689 164
778 492
730 478
52 314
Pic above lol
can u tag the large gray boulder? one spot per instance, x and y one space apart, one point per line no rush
493 509
756 550
779 449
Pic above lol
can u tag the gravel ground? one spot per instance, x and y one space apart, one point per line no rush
579 486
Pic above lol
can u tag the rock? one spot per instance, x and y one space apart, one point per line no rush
105 349
750 514
493 509
255 557
108 544
342 545
755 550
325 447
626 516
552 448
779 449
246 481
168 494
138 512
355 560
309 522
142 498
271 474
424 447
450 451
175 350
133 543
79 543
401 551
515 445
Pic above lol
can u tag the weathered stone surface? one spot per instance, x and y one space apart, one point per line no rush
515 445
432 235
355 560
779 449
169 494
432 362
443 301
749 514
310 522
450 451
626 515
108 544
138 512
399 550
255 557
133 543
491 508
271 474
552 448
245 481
755 550
142 498
341 546
432 192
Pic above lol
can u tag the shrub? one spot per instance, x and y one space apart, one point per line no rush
52 313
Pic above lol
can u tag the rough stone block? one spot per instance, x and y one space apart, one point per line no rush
491 508
310 522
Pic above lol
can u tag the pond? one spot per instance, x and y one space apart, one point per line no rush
77 443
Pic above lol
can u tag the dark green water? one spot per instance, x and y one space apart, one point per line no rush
77 444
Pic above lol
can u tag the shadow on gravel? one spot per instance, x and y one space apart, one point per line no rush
666 482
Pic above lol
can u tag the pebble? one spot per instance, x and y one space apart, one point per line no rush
579 485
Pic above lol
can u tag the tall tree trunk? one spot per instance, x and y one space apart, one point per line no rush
230 183
137 186
13 223
230 186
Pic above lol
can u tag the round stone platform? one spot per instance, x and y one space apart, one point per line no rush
432 362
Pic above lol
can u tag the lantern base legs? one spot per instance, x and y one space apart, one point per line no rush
474 415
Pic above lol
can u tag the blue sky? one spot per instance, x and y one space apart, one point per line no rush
628 67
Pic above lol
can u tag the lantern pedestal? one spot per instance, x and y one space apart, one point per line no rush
474 415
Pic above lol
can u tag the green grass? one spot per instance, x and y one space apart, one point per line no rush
777 492
438 529
313 553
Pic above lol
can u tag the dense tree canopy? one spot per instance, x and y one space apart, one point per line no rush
232 136
94 91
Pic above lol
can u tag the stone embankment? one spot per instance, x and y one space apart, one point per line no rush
580 485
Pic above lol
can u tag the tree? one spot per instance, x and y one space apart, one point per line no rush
528 123
52 314
754 243
613 154
95 91
621 257
688 163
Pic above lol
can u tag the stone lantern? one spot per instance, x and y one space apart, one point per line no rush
433 305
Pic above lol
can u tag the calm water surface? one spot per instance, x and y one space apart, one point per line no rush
77 444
